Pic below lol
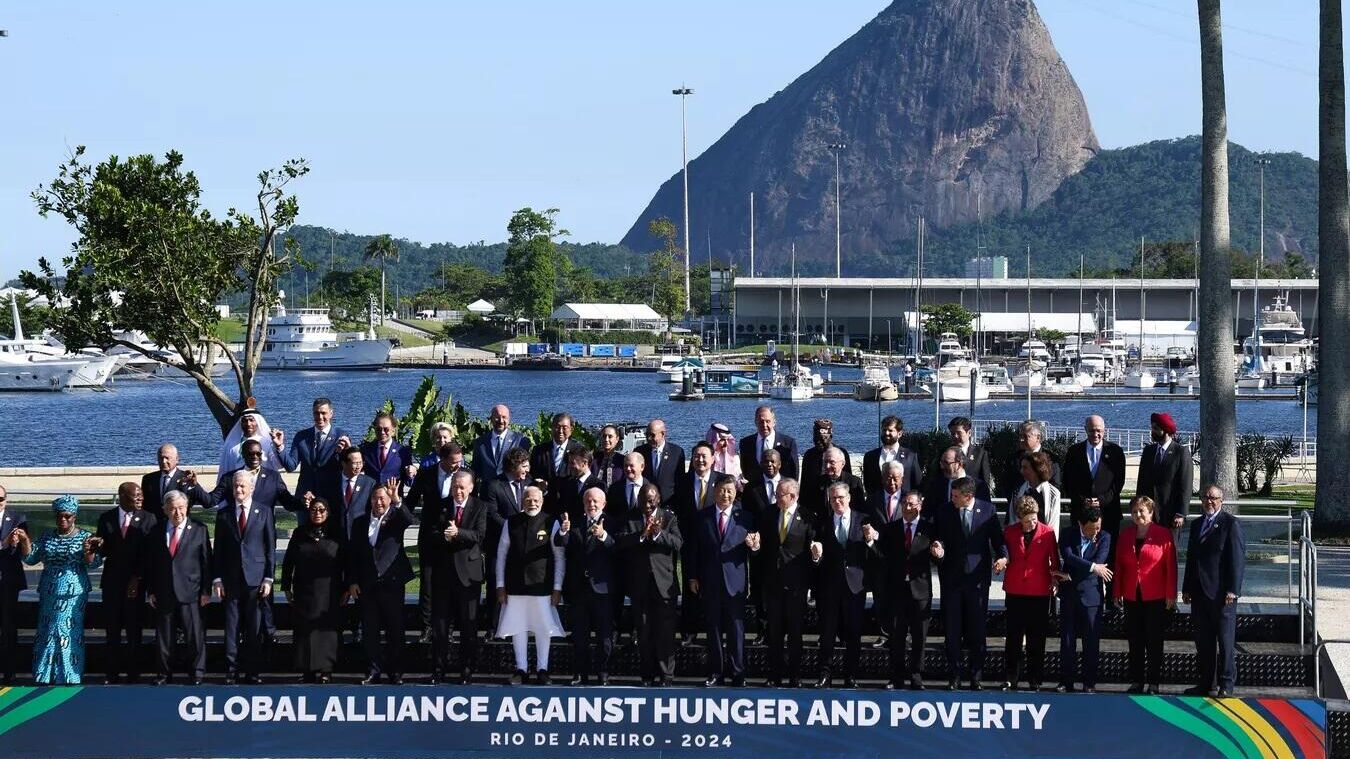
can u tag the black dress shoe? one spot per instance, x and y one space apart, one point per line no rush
794 682
231 678
324 678
1195 690
738 682
1225 693
916 682
712 682
436 679
976 685
882 642
1135 688
541 677
371 679
953 684
1006 686
1064 688
891 685
689 640
850 683
579 680
826 680
252 680
603 679
518 677
161 680
647 682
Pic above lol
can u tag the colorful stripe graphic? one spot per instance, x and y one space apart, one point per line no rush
1246 728
18 705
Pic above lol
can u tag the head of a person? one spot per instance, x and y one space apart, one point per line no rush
532 501
649 495
352 462
4 497
593 502
837 496
788 491
1212 499
248 424
724 492
772 463
1161 427
1090 522
380 500
450 456
251 451
517 464
959 427
323 412
952 463
765 420
500 418
963 492
461 485
176 507
1141 510
1094 429
318 511
167 456
822 433
701 458
892 429
441 435
129 496
833 461
633 465
912 503
1027 511
579 463
892 475
242 487
609 438
1029 435
656 433
562 428
722 436
65 508
385 427
1037 467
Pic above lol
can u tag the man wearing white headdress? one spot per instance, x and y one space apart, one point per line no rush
250 426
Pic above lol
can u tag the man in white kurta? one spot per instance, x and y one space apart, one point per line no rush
530 567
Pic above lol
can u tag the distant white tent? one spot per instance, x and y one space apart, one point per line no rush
481 307
607 316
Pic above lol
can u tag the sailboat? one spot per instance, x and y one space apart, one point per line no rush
795 384
1139 377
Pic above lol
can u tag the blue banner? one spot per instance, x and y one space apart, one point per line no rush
495 721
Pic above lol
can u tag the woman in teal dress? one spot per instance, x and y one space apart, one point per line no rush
66 556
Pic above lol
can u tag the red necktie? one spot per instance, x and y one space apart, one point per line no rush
721 524
243 519
173 543
459 515
384 456
349 493
890 513
126 522
909 535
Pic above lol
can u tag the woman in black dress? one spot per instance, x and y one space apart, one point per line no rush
312 578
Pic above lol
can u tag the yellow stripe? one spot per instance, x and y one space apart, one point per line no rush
1265 737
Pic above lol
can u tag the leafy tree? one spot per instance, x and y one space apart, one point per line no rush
530 267
348 292
948 317
148 257
464 283
33 318
382 248
1048 335
665 271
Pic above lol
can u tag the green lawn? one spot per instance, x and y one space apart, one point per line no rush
230 330
430 325
406 339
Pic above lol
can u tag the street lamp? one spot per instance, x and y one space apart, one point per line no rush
837 148
684 93
888 337
1261 164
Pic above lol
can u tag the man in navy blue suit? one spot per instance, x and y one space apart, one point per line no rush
753 447
591 558
1085 556
12 580
386 458
490 449
346 492
664 461
269 490
840 551
246 544
316 450
717 559
1215 557
969 545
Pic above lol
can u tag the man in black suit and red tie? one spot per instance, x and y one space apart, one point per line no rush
457 555
753 447
901 551
716 558
125 532
786 573
245 564
892 431
179 584
169 476
1166 472
664 460
348 493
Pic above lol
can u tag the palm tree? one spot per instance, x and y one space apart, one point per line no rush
1218 412
1333 285
383 248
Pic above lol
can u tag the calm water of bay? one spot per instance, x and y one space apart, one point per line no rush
126 424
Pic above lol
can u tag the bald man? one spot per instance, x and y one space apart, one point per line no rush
169 476
664 460
491 447
1094 474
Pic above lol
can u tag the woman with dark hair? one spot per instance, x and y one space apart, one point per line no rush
312 579
1146 586
1033 557
1037 470
607 460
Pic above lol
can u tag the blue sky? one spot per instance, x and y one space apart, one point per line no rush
434 121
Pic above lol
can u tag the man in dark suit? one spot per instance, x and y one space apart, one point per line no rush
753 447
1216 556
892 430
568 497
315 451
834 472
693 494
1030 434
841 552
885 506
974 457
664 460
156 484
347 492
386 458
968 546
784 556
649 544
591 568
455 545
246 545
12 580
125 534
942 479
378 570
904 565
269 490
716 558
490 449
178 566
1094 474
548 460
1165 473
1085 557
623 495
427 500
813 461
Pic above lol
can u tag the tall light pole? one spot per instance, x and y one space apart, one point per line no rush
837 148
684 93
1261 164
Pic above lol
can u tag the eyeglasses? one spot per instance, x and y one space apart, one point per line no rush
64 515
1213 498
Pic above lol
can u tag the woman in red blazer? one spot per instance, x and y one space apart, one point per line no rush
1032 555
1146 585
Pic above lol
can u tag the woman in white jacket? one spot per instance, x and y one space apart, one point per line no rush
1036 471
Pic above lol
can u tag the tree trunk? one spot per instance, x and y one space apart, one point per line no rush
1218 413
221 411
1332 508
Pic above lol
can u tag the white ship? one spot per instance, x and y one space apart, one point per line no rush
1280 349
304 339
22 369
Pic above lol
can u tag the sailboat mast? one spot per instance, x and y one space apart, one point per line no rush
918 292
1080 308
979 285
1143 303
1029 333
752 234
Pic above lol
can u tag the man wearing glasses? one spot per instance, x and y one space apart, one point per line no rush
1215 558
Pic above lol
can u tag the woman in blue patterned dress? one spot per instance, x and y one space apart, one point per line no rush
66 556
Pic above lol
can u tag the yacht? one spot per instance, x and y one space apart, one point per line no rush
22 369
995 377
876 384
1061 380
1280 349
673 367
160 362
1140 378
304 339
100 368
961 389
1035 350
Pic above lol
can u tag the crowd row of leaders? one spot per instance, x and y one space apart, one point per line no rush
687 541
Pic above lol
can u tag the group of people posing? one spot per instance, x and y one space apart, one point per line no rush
688 542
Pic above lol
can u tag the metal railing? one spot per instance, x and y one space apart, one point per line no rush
1317 661
1307 581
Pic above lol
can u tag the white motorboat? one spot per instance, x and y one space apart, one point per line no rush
1189 378
161 362
876 384
673 368
1032 375
1034 349
1280 348
961 389
22 369
100 366
304 339
996 378
1140 378
1060 380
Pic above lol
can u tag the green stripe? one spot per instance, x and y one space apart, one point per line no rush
1207 709
1178 717
11 696
36 706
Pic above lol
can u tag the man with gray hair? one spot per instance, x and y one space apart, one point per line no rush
456 548
530 567
841 552
592 556
834 471
179 584
1030 435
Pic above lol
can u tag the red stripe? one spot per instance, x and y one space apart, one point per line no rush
1311 740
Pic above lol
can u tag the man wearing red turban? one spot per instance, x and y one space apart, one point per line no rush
1165 472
